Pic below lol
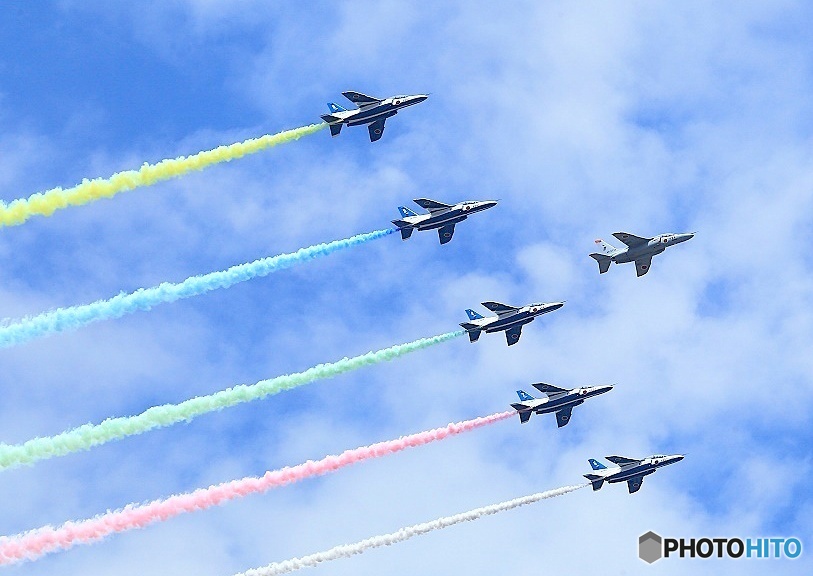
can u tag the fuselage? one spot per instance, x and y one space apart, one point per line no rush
381 110
571 398
520 317
645 467
452 215
653 247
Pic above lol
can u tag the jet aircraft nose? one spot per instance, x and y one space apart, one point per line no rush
672 459
417 98
683 237
603 389
554 306
486 204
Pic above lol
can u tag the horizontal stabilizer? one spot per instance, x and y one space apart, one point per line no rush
330 118
360 99
603 260
335 129
595 480
431 205
405 229
522 410
473 330
500 309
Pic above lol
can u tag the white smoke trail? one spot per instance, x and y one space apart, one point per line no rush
347 550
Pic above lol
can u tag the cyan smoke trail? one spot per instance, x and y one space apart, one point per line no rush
89 435
348 550
36 543
73 317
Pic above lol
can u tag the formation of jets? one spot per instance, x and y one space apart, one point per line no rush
510 319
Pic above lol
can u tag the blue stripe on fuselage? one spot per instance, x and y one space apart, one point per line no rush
641 470
503 323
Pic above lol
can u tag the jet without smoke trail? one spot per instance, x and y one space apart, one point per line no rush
89 435
74 317
36 543
46 203
349 550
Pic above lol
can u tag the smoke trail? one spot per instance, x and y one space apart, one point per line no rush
347 550
89 435
46 203
39 542
73 317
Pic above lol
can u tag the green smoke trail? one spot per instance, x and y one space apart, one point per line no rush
89 435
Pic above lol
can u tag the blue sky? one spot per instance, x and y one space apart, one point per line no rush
644 117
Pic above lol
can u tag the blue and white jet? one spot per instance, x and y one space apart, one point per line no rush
371 110
628 469
639 250
441 216
559 400
509 319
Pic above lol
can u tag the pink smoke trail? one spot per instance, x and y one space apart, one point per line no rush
36 543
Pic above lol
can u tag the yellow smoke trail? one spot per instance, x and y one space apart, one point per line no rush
46 203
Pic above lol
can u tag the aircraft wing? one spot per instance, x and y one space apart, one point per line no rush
631 240
431 205
622 460
512 335
549 389
500 309
376 129
445 233
634 484
360 99
642 265
563 416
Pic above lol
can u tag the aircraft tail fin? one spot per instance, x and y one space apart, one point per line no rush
524 413
596 465
405 212
473 330
473 315
603 260
335 107
524 396
607 248
596 480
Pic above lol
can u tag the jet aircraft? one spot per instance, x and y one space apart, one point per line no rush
371 110
628 469
509 319
441 216
559 400
639 250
